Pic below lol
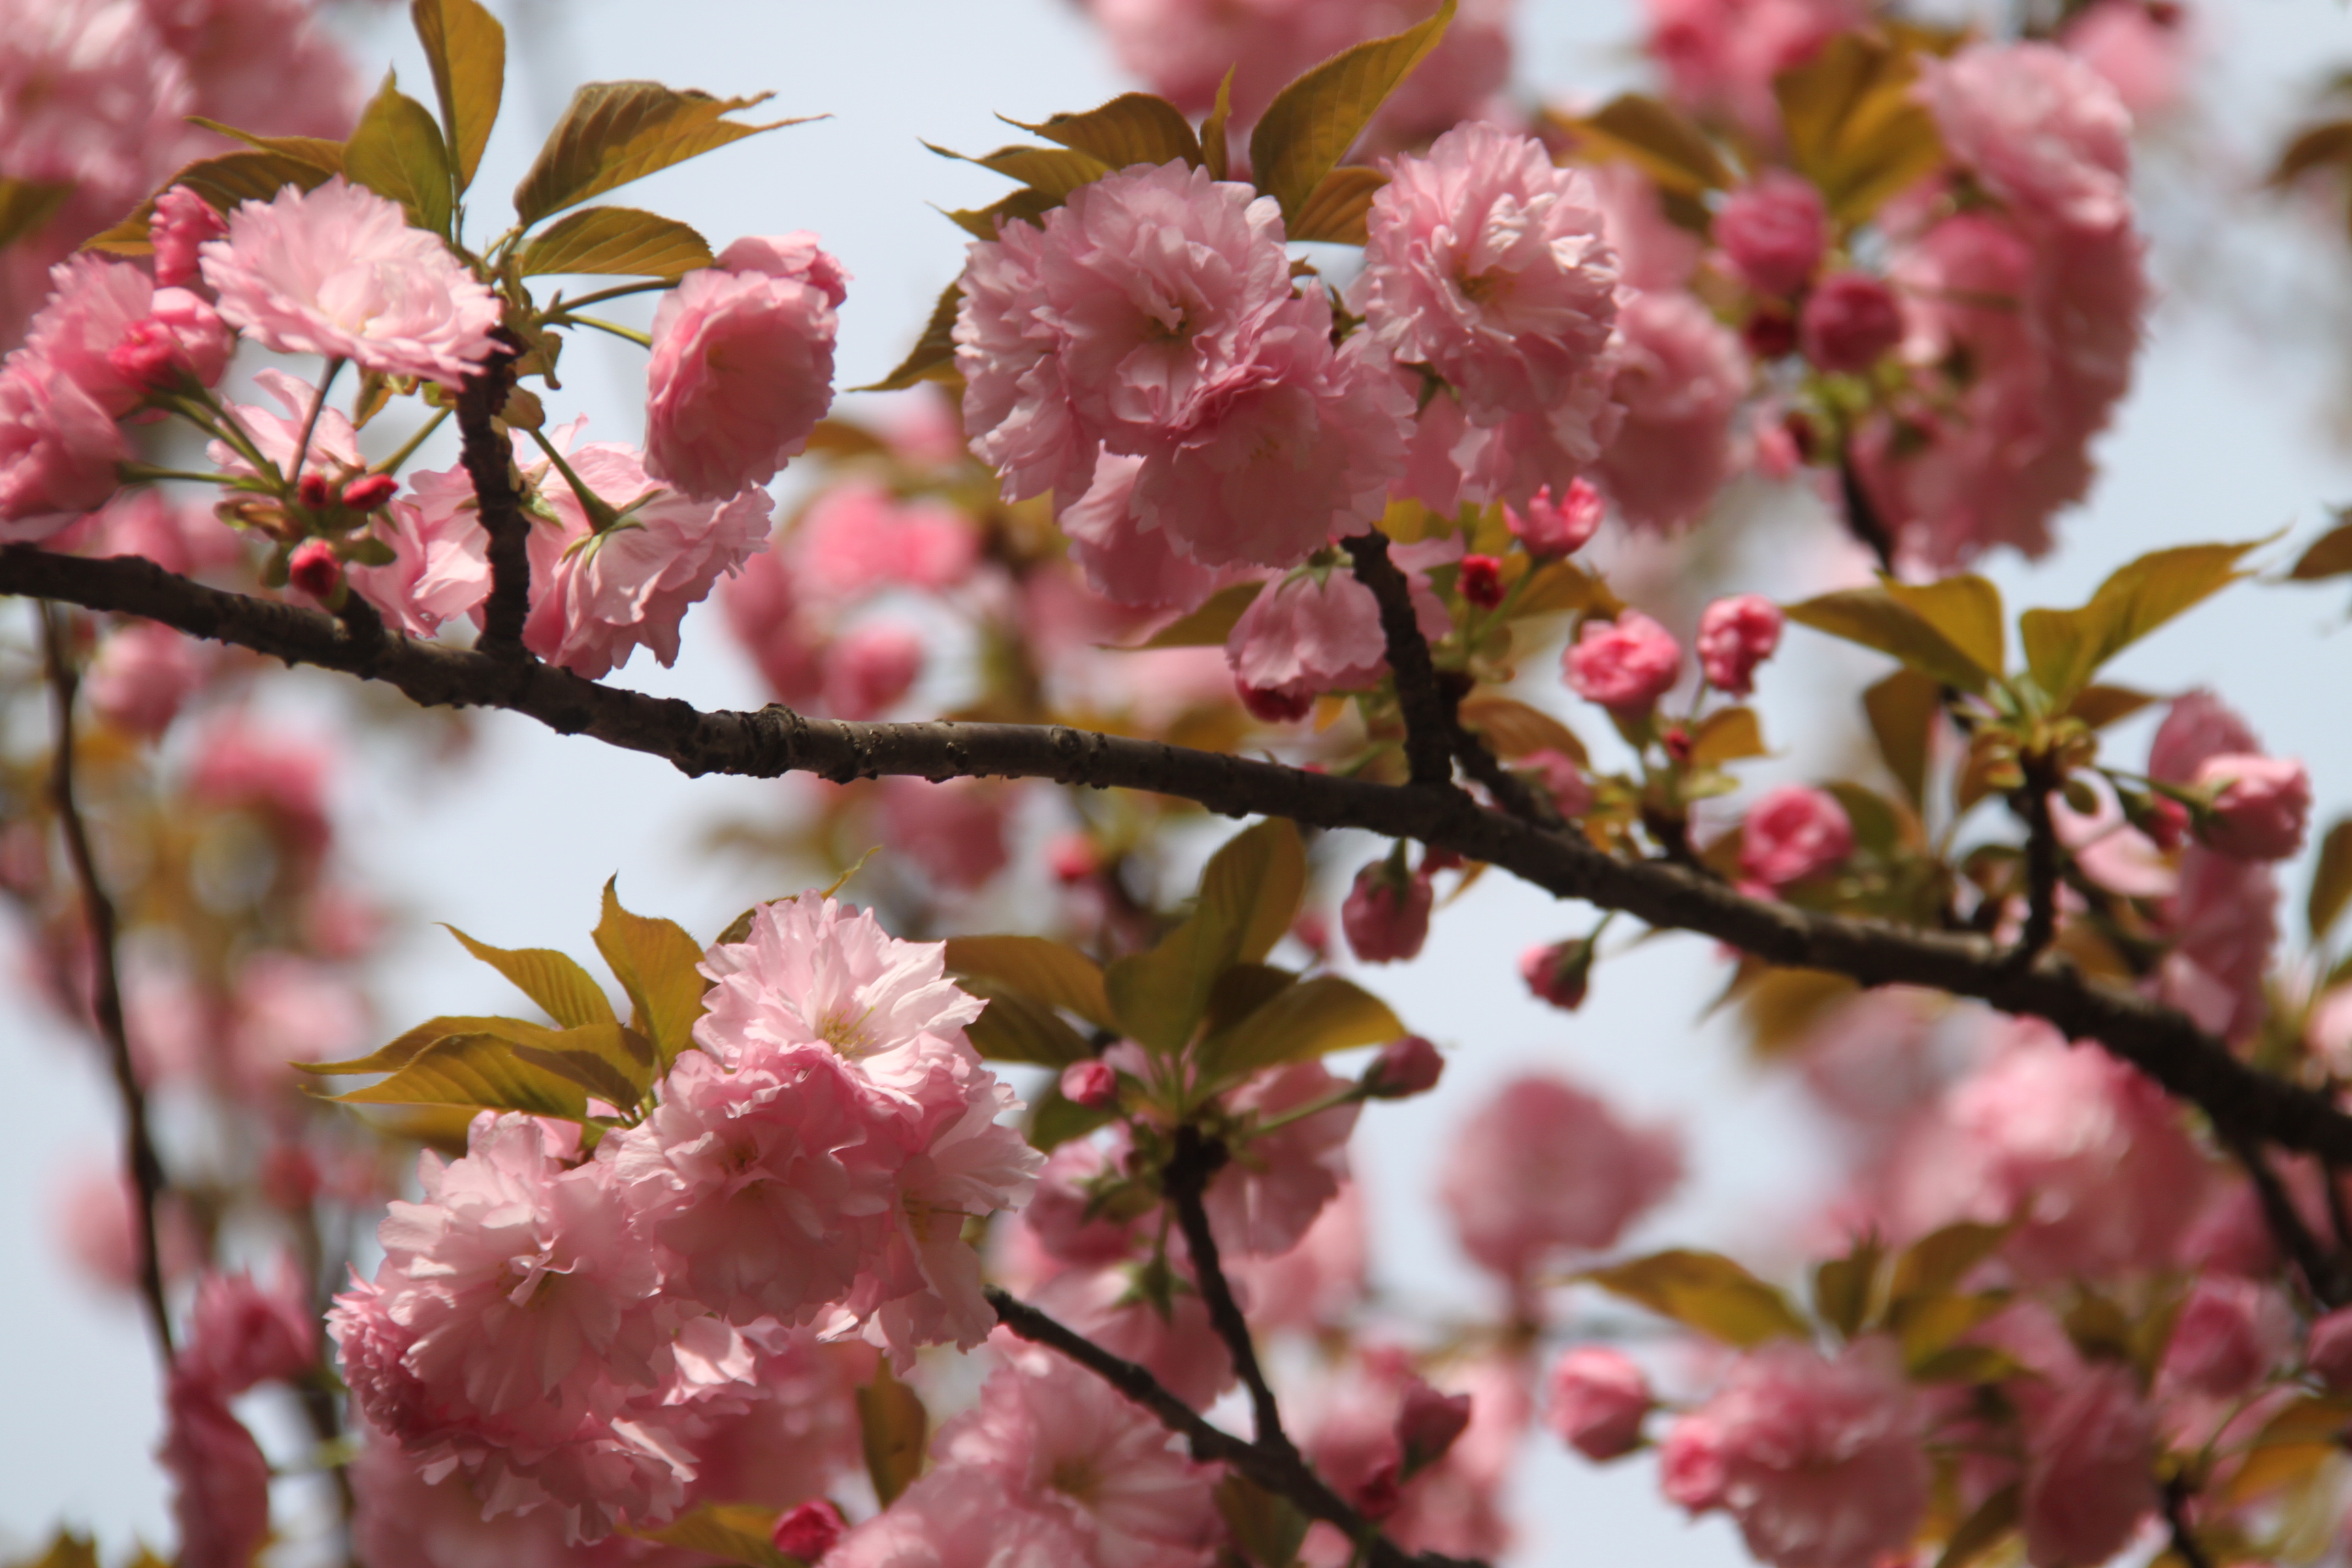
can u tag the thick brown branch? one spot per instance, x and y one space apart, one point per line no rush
1194 1165
2325 1275
146 1169
489 456
2159 1040
2042 864
1428 718
1862 518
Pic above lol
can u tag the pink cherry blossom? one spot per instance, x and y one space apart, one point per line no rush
2225 1338
2222 917
333 450
868 669
953 830
184 540
220 1480
1112 1306
2329 1351
1626 664
1720 56
762 603
2142 50
1386 914
1653 251
2044 133
857 539
1262 1202
1562 526
1355 1436
338 272
1125 561
1545 1168
1063 1220
2087 1472
1092 1083
183 222
1793 833
242 1333
1316 1282
1595 1401
1734 636
441 569
596 597
1318 630
2261 806
1680 374
143 675
742 365
1849 323
86 87
1816 1460
58 448
1775 232
960 1516
108 327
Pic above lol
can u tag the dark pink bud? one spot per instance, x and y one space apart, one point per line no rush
1557 527
1407 1067
182 221
314 570
1769 334
1851 323
1482 581
1676 740
314 492
1274 704
2167 823
370 491
1559 974
1092 1084
1734 636
148 355
1386 915
1073 857
1598 1398
1378 1494
2329 1352
1428 1424
809 1531
1775 232
1313 932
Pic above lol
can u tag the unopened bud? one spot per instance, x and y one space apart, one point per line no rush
1378 1494
1557 526
1676 740
314 570
370 491
1386 914
1481 581
2329 1352
1073 857
2166 822
1407 1067
1274 704
1769 334
1428 1424
148 355
1559 974
809 1531
315 492
1092 1083
1598 1398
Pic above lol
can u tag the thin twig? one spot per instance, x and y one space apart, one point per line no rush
488 458
146 1169
1186 1180
2042 863
1428 746
2185 1544
2158 1039
2325 1275
1862 518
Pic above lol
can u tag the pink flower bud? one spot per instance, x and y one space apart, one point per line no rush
1378 1494
1092 1083
1073 857
370 491
1676 740
1273 704
2261 806
2223 1339
1769 334
1386 915
1597 1399
314 492
1793 833
1734 636
1775 232
314 570
1624 665
1481 581
1850 323
182 221
1428 1424
1561 527
869 669
809 1531
2166 822
1313 932
1559 973
1407 1067
2329 1352
149 354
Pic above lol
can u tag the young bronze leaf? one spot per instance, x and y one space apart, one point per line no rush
654 960
315 151
732 1532
1313 1018
1337 210
1053 973
1558 585
613 1063
615 132
26 205
1843 1286
894 1425
225 183
1024 205
1854 127
2330 556
1706 1292
2331 880
2314 147
466 49
1052 171
1017 1027
1966 610
1901 711
396 152
1216 150
1210 625
1267 1527
1159 997
1728 735
1251 889
1876 619
2100 705
1938 1261
1133 127
2064 648
409 1046
1311 123
1513 728
479 1071
933 354
548 977
615 240
1655 138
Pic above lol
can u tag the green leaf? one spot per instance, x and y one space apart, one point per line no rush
2331 880
1057 1121
616 131
1706 1292
613 1063
1216 149
2064 648
1267 1528
893 1425
1876 619
656 961
26 205
1312 1018
1016 1027
1843 1286
396 152
1515 729
731 1533
1854 126
1159 996
1655 138
933 356
1728 735
406 1049
1052 171
1901 711
1133 127
1968 1364
2100 705
479 1071
1051 972
1248 898
2330 556
1311 123
1928 1324
1982 1530
1253 886
1212 625
548 977
615 240
1966 610
315 151
1937 1262
466 49
1337 209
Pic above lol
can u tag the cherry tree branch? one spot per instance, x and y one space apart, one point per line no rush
1428 719
488 455
2159 1040
2042 865
146 1168
1862 518
2323 1274
1186 1180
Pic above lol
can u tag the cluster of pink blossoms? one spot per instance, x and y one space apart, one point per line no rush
564 1331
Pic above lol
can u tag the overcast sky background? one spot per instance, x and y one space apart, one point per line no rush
2226 437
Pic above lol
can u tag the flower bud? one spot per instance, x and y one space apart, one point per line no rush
1072 858
1769 334
2261 806
2329 1352
1793 833
1597 1400
1775 232
1428 1424
1734 636
314 570
1623 665
1386 915
1559 973
182 221
1481 581
809 1531
314 492
1404 1067
1676 740
1850 321
1274 705
148 355
1561 527
370 491
2222 1341
1092 1083
1378 1494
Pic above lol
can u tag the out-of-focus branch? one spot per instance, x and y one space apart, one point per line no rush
146 1170
2159 1040
1428 723
1862 518
1186 1181
488 457
2031 802
2325 1275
